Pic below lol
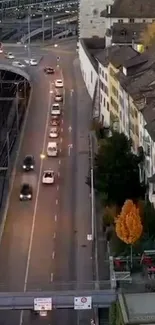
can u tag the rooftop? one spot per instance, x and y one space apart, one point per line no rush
116 54
92 47
137 308
126 33
131 9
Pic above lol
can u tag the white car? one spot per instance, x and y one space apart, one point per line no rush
9 55
18 64
59 83
33 62
54 133
58 98
55 109
48 177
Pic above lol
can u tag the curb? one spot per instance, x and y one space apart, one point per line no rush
4 216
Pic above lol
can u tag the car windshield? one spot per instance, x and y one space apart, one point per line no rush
48 175
54 130
28 160
25 189
55 107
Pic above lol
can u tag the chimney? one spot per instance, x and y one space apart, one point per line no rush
109 9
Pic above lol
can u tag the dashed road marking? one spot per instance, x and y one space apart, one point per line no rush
51 277
53 255
60 150
57 202
62 121
62 129
61 140
54 235
57 187
59 162
55 218
58 174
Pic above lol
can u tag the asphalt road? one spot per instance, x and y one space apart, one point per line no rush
44 245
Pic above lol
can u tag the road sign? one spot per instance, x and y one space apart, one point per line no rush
81 303
42 304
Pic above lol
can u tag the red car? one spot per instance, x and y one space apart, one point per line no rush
55 121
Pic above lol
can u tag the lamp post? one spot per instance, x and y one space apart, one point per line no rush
29 33
43 23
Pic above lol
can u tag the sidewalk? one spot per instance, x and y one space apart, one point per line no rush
84 209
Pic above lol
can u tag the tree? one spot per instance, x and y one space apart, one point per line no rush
148 35
147 213
116 172
128 223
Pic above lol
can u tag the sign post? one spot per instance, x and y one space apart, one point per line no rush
42 305
82 303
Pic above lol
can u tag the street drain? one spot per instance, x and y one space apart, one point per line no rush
83 246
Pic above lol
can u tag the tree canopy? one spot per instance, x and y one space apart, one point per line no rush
128 223
148 35
116 172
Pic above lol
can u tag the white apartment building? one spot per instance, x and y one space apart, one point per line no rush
88 69
104 95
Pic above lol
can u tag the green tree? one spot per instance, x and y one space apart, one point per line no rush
116 172
147 213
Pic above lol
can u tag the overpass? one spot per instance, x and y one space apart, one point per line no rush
10 4
41 29
60 299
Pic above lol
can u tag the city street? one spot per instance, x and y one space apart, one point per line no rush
44 245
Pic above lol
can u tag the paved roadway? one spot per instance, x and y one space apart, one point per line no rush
45 241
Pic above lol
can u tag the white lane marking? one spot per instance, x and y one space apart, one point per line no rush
36 200
62 129
59 162
57 187
62 121
35 210
60 149
55 218
52 277
53 255
60 140
58 174
15 166
56 202
54 235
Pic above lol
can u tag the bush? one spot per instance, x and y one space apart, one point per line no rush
112 314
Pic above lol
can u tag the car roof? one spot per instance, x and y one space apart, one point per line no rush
25 185
29 157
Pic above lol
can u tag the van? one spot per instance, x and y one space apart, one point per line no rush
52 149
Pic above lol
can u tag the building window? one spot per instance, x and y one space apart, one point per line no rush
91 76
115 91
136 130
100 98
153 188
114 104
106 77
101 84
104 102
121 101
136 114
107 106
102 73
120 20
131 20
112 73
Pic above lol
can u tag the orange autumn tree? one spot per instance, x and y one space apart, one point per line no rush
128 224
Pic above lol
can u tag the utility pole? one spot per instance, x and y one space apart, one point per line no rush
43 22
17 113
52 27
8 152
29 33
